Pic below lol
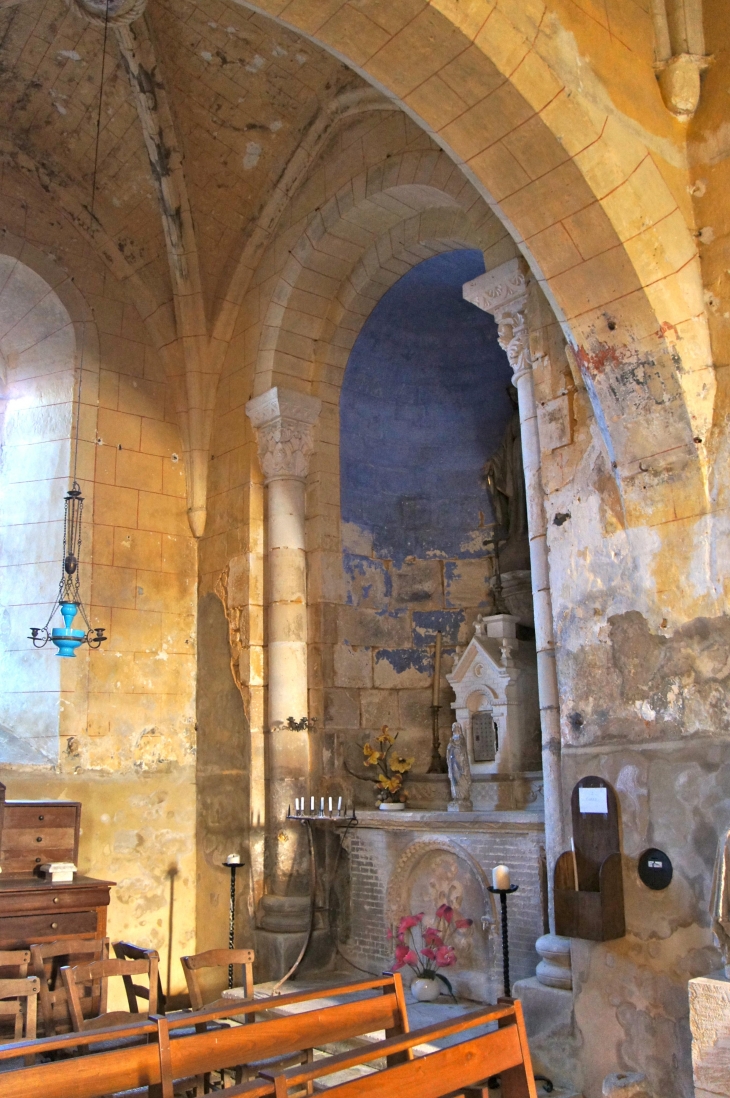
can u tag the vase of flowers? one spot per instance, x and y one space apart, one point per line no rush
426 949
391 770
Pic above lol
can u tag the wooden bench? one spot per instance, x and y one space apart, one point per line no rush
164 1056
459 1071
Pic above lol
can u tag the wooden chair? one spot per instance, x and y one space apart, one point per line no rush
47 959
217 958
83 975
14 963
19 1001
125 951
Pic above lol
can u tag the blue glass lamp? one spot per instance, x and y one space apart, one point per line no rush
68 601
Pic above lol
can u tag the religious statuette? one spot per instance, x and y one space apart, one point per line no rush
457 760
720 900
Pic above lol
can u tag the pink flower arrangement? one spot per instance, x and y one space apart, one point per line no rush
426 949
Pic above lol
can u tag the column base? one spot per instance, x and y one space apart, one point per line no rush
276 952
554 1043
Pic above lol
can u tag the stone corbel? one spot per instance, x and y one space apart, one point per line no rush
680 54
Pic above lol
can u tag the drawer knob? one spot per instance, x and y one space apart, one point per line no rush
39 839
55 899
54 926
41 817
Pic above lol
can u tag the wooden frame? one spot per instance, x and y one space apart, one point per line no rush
53 996
217 958
19 1000
99 972
125 951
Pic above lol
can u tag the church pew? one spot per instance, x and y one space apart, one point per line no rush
153 1063
460 1070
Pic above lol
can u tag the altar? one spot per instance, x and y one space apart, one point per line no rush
412 861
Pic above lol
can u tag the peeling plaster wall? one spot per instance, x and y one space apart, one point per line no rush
424 404
643 654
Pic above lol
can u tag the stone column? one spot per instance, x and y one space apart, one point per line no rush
283 421
503 293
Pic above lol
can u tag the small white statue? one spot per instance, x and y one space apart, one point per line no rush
720 899
457 761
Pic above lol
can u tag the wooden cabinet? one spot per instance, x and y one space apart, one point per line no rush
33 910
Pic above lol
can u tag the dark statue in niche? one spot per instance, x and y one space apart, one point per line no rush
504 478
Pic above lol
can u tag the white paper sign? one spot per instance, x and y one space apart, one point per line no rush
593 800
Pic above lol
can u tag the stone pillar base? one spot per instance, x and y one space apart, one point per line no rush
554 1044
276 952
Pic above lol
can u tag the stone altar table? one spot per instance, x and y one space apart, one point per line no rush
406 862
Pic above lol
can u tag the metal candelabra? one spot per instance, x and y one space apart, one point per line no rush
503 894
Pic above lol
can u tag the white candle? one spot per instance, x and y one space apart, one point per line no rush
437 671
233 859
311 807
321 806
330 806
500 878
339 805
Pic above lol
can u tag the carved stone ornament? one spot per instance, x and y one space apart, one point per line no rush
115 13
503 293
283 420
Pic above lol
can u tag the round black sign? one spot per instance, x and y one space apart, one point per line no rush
655 869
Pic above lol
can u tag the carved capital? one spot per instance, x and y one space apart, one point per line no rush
503 293
283 420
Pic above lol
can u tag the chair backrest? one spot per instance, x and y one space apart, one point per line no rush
19 1000
14 963
127 1068
47 959
125 951
217 958
80 975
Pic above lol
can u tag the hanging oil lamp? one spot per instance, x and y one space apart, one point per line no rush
68 599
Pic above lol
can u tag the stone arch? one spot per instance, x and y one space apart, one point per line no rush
575 181
44 322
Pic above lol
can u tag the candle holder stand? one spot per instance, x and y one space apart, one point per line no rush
503 893
233 866
309 819
438 762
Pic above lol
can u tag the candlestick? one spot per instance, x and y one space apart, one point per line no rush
500 878
437 670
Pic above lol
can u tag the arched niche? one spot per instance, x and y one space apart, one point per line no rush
436 871
43 321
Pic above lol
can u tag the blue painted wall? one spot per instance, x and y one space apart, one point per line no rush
423 405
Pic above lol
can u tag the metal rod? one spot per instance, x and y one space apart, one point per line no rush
232 922
505 945
438 762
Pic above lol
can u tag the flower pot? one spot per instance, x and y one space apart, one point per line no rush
391 806
425 991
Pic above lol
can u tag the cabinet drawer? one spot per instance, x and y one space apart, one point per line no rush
47 900
43 928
